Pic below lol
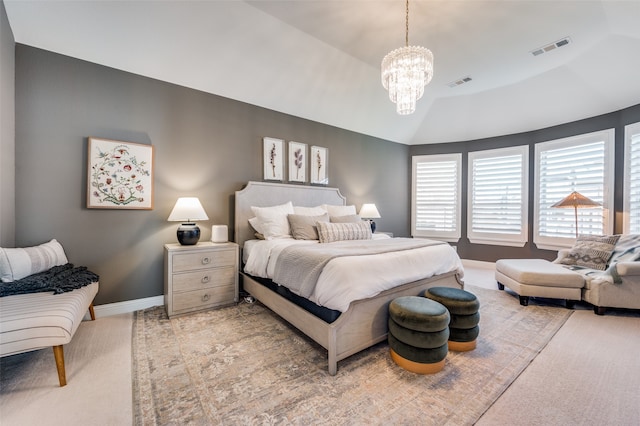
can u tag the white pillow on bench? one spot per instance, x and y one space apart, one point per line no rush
17 263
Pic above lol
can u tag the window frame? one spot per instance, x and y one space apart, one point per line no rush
449 236
500 239
629 131
608 137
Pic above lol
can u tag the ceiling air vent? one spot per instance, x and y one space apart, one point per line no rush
550 47
460 81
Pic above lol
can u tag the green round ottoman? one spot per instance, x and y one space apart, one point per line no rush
463 308
418 334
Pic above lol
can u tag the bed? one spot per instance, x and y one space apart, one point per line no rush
364 322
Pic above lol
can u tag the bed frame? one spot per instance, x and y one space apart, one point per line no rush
365 322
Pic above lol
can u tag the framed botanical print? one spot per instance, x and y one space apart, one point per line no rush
119 175
297 162
318 165
273 158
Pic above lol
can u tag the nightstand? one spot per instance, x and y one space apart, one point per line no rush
199 277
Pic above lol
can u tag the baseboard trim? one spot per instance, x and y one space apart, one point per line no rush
127 306
478 264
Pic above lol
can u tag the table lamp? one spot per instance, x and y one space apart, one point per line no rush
187 210
369 212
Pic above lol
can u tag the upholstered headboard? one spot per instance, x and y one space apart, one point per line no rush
265 194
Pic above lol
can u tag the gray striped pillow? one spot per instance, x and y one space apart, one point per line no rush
331 232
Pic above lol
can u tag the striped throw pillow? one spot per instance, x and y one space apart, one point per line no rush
331 232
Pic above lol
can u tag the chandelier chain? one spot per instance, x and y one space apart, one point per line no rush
406 37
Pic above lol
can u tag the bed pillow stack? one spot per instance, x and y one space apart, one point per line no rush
288 221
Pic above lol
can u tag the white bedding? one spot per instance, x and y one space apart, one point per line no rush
366 275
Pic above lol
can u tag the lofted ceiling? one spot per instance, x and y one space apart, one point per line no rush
320 60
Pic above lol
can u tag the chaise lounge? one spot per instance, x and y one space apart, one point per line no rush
610 281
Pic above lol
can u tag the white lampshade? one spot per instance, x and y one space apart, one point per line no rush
187 209
369 211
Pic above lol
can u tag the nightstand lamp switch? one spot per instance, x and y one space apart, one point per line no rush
369 212
188 210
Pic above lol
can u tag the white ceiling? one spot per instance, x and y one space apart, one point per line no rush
320 60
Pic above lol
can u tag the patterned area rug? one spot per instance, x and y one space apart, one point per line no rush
245 365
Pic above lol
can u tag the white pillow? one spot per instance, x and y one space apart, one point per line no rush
17 263
273 220
339 210
309 211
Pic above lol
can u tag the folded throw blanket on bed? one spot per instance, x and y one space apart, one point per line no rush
298 267
58 279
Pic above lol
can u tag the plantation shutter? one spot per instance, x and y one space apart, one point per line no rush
632 179
436 196
581 164
498 200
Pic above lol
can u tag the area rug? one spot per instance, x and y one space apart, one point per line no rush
245 365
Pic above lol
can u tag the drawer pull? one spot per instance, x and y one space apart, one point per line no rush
205 298
205 279
206 260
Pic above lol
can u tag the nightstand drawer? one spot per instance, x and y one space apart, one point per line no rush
199 299
207 278
203 259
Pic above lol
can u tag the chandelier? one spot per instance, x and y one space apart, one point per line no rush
405 72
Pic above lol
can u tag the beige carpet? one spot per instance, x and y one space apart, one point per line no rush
244 365
588 374
98 391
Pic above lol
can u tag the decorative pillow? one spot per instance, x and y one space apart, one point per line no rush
591 251
272 221
330 232
309 211
304 227
17 263
352 218
339 210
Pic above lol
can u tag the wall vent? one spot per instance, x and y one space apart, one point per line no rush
549 47
459 81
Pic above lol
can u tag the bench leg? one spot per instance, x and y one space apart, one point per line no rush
524 300
599 310
91 312
58 353
570 304
500 286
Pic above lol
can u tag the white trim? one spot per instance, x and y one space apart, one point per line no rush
449 236
608 137
126 307
512 240
629 131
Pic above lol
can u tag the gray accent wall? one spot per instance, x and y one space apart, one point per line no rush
7 131
205 146
491 253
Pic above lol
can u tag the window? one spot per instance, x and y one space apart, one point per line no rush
498 196
435 210
582 163
631 223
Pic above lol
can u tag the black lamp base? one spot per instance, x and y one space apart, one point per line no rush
188 234
373 226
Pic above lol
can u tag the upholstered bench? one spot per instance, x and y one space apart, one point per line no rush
418 334
463 308
38 320
539 278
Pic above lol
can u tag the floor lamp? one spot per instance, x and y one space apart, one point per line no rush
576 200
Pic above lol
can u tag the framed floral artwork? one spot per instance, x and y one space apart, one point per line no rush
318 165
120 175
297 162
273 158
